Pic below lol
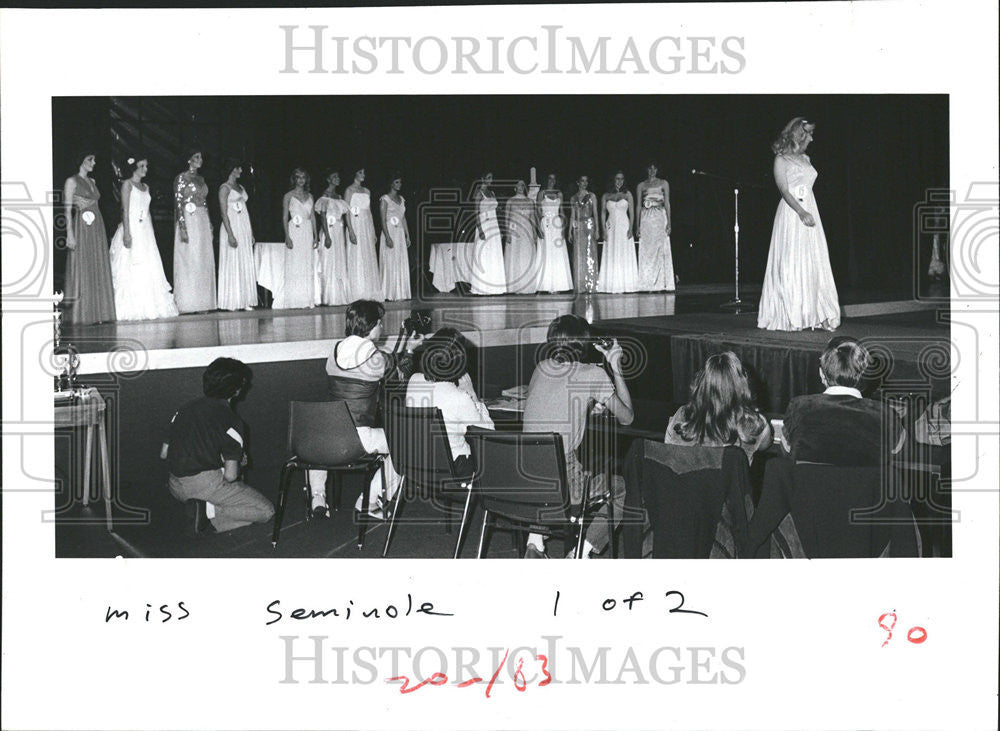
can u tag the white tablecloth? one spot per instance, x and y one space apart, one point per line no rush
450 263
270 258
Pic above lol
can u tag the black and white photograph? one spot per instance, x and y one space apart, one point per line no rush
695 289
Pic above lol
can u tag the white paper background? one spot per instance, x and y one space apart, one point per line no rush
811 645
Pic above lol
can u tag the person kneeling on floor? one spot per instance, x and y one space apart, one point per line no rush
205 452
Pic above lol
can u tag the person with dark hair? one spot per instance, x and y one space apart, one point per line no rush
656 265
141 289
300 241
205 450
799 291
554 273
520 257
237 267
561 395
393 260
355 371
443 382
331 254
194 258
619 272
840 426
583 236
487 268
720 411
362 263
89 295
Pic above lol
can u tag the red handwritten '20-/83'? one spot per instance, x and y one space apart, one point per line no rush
917 635
441 678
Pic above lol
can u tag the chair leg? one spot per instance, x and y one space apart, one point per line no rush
578 553
335 479
461 527
611 514
397 504
482 534
279 511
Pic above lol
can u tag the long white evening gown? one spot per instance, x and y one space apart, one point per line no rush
487 269
141 289
554 274
799 291
363 276
300 273
394 263
331 261
519 258
619 272
237 267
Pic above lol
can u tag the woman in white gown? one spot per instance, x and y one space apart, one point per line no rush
194 257
331 258
394 262
300 240
656 265
554 273
522 228
619 272
141 289
487 271
237 268
799 291
362 265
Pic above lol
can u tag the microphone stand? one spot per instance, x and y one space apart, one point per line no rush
736 305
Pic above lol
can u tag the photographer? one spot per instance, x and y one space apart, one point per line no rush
356 370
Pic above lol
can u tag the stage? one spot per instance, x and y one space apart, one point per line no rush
145 370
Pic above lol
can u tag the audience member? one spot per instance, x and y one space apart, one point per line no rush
562 392
840 426
720 411
205 449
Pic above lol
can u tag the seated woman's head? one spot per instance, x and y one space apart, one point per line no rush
720 409
363 317
843 362
443 356
567 339
226 378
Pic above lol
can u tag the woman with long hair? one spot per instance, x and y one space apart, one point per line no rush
554 273
300 240
487 268
583 236
394 262
520 256
656 265
194 259
362 264
720 410
331 254
237 267
619 272
89 294
799 291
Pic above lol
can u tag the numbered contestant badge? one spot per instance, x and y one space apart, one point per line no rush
88 217
190 207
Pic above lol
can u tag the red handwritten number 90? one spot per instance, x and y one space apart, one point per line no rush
917 635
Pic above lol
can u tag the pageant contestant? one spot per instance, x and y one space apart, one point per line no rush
141 289
394 263
656 265
237 268
619 272
583 236
194 260
331 256
798 291
362 264
89 294
522 227
300 240
487 268
553 260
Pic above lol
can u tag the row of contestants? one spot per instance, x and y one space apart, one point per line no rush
537 233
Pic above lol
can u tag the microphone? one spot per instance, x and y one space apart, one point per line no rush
698 172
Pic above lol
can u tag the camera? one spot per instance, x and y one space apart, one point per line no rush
418 323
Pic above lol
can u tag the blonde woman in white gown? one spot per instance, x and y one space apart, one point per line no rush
237 267
799 292
656 265
362 265
394 262
554 274
300 241
520 257
487 270
331 256
141 289
619 272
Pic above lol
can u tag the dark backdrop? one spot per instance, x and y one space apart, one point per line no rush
876 156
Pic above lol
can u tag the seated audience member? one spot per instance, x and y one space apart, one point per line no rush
444 383
562 392
355 370
205 450
839 426
720 412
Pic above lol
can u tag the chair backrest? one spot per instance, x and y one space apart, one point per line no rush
695 499
323 433
418 444
521 476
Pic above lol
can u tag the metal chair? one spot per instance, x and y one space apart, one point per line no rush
522 478
421 454
322 436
